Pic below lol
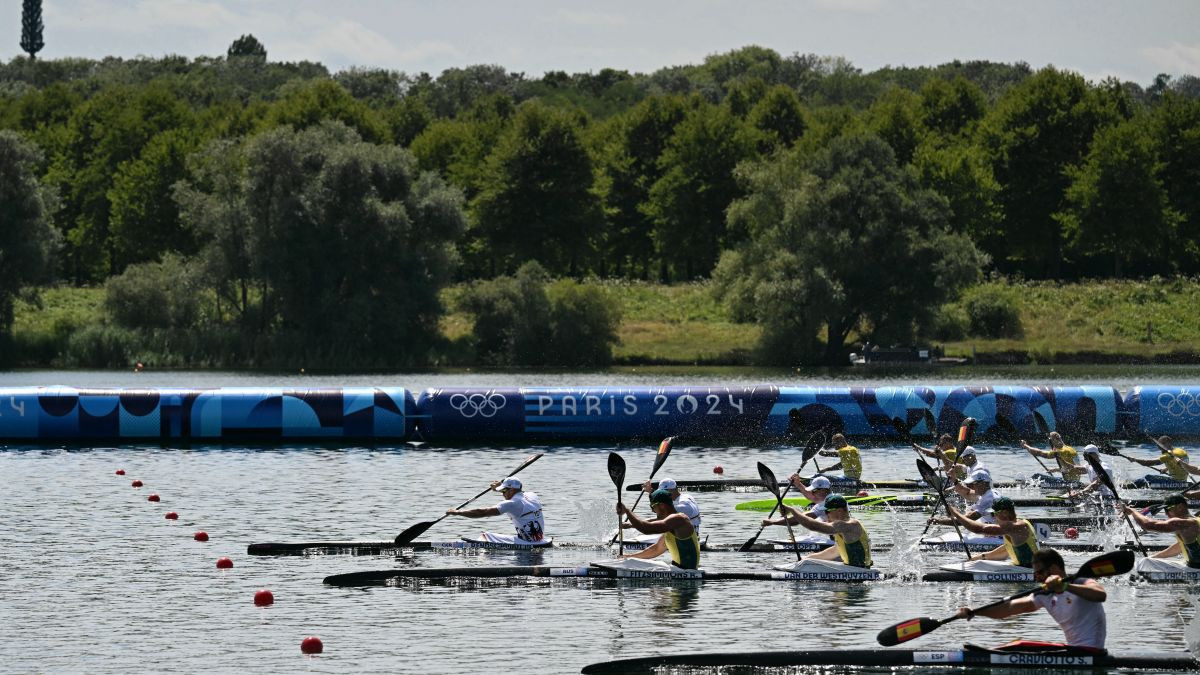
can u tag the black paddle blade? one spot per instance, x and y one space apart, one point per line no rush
1107 448
901 428
966 433
616 469
768 478
929 475
930 421
1097 467
1107 565
1039 423
814 445
907 630
1006 427
413 532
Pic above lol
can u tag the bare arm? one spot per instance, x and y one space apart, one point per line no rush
673 522
650 552
974 525
1022 605
474 513
1168 525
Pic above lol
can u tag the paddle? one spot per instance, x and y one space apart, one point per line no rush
419 529
1109 449
810 450
930 477
773 486
664 449
616 471
1108 483
965 433
1104 565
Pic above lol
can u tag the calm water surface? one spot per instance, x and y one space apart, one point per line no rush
96 579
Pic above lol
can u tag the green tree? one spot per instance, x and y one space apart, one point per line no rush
895 117
1038 131
31 28
537 200
961 172
247 46
951 107
348 244
27 240
842 241
1116 204
311 103
688 202
144 221
1176 128
780 117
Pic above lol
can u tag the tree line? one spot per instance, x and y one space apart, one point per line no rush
813 193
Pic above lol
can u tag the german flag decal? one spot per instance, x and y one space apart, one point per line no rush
962 434
665 446
908 630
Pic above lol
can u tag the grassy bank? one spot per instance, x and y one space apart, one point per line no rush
1155 320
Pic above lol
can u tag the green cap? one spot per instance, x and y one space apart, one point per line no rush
835 502
1174 499
660 497
1004 504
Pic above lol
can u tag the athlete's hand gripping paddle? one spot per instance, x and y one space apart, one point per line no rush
616 471
419 529
664 449
966 432
768 478
938 484
810 450
1104 565
1097 467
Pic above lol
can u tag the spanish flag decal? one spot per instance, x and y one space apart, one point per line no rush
1104 568
665 445
908 630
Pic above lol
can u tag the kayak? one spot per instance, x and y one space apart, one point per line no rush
980 570
842 485
1019 655
921 501
1163 570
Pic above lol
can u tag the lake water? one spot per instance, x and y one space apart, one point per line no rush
96 579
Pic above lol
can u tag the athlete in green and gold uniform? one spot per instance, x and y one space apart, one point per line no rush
852 545
678 534
849 460
1179 522
1020 541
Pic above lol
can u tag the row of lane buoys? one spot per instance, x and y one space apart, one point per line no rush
262 597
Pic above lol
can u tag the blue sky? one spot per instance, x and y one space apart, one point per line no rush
1097 38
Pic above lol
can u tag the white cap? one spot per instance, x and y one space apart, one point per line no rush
968 451
510 484
979 476
667 484
1091 449
820 483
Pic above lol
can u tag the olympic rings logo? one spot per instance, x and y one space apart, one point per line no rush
1178 405
483 405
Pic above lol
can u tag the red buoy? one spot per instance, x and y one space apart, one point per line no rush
120 472
718 469
311 645
200 536
263 597
224 563
863 493
171 515
1072 533
152 498
136 483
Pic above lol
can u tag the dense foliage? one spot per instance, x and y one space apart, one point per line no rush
288 192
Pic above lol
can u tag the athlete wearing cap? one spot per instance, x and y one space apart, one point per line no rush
978 486
684 503
1094 483
851 544
849 460
678 536
1175 462
1179 522
1061 453
1020 541
943 449
817 491
524 508
1078 607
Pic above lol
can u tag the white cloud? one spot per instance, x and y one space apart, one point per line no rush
1178 59
145 16
316 37
590 18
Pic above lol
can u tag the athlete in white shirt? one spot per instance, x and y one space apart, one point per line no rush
684 503
524 508
1077 607
1094 484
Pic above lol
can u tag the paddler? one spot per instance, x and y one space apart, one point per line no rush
1095 484
817 491
849 460
524 508
978 486
943 452
684 503
1078 607
1174 463
1061 453
851 544
1179 522
678 535
1020 541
